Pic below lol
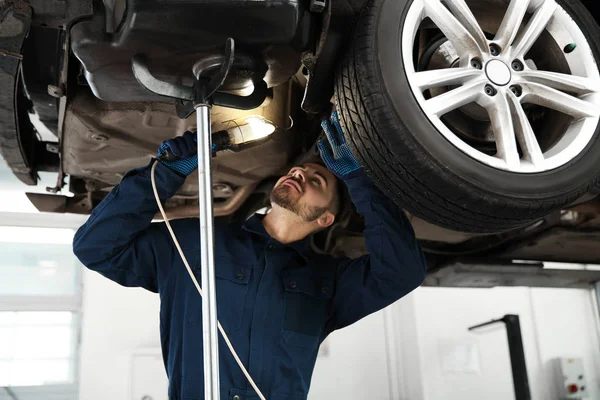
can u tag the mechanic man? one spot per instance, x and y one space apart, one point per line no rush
276 299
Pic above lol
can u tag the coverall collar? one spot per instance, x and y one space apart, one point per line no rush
254 225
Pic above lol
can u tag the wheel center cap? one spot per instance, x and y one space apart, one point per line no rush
498 72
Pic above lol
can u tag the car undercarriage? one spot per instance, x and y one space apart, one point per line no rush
70 104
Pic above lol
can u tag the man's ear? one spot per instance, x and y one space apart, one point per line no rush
326 220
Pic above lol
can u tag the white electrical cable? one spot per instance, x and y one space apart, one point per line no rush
233 352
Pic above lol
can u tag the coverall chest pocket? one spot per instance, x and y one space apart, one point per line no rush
232 279
307 298
233 276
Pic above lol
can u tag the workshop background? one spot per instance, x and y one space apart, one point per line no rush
68 333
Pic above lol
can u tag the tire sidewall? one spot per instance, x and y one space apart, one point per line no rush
446 158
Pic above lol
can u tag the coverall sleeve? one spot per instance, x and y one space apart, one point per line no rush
394 267
120 242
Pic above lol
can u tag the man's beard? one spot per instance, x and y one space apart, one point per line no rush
281 196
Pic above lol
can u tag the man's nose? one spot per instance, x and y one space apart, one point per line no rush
299 174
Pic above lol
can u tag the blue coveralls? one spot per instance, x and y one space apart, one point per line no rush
276 302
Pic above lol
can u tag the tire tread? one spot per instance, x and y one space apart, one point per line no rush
438 196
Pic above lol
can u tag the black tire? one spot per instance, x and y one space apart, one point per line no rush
411 161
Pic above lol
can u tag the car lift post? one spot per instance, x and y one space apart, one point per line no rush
517 354
201 98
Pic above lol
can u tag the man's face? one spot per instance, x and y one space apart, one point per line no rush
307 191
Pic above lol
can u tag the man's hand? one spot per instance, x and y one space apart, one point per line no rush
180 154
336 153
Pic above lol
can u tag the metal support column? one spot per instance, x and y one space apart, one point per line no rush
597 290
597 296
517 354
209 300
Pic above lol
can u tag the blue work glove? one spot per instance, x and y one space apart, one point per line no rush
180 154
336 153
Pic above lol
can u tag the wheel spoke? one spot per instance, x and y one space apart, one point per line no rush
510 24
502 125
534 28
444 77
462 40
463 14
455 98
563 82
548 97
525 135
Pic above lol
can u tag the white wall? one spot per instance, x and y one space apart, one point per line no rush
353 363
554 323
116 321
568 328
420 348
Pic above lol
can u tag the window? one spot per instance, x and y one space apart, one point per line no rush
40 300
37 262
37 348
